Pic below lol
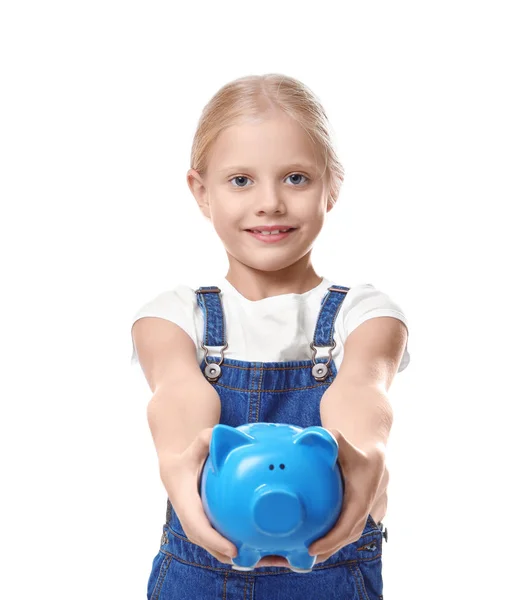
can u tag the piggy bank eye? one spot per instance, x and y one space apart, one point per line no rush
281 466
271 467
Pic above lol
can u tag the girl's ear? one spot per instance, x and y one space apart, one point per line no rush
198 189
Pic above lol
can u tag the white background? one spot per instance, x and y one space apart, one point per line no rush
99 103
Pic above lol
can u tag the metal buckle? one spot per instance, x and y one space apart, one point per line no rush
205 348
321 370
314 351
212 369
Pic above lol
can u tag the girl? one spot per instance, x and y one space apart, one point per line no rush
265 344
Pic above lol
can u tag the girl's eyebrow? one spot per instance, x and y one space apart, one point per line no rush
297 165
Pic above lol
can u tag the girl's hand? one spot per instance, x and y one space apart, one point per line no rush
365 481
181 477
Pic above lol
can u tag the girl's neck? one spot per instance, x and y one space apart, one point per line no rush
257 285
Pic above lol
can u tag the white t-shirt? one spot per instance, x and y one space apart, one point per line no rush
275 329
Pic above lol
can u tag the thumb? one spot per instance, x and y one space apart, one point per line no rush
200 451
199 447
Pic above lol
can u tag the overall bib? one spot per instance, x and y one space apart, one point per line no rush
274 392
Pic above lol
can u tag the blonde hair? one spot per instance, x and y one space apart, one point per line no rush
251 98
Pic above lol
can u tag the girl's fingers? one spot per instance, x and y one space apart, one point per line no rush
221 557
325 555
202 533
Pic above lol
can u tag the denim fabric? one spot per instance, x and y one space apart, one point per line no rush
274 392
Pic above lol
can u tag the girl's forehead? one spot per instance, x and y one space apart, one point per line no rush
274 140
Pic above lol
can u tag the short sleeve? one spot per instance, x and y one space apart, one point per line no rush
366 302
175 306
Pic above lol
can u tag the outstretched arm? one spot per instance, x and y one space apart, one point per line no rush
357 401
356 409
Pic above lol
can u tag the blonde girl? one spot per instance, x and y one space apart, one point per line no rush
271 341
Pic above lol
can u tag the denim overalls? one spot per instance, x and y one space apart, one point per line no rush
275 392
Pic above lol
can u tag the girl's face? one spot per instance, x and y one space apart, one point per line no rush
264 174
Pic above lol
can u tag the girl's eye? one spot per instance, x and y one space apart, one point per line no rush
297 175
238 179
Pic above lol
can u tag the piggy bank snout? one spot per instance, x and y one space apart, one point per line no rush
277 512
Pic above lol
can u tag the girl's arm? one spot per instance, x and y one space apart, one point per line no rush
182 412
356 409
183 402
357 401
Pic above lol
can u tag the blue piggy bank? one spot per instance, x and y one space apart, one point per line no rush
272 488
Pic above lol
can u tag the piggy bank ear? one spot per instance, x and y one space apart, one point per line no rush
224 439
320 438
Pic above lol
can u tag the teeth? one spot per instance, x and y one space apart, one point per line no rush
275 232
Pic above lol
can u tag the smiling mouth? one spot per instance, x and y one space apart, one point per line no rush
271 238
257 231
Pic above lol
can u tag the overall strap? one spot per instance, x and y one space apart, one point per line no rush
208 298
330 306
324 331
